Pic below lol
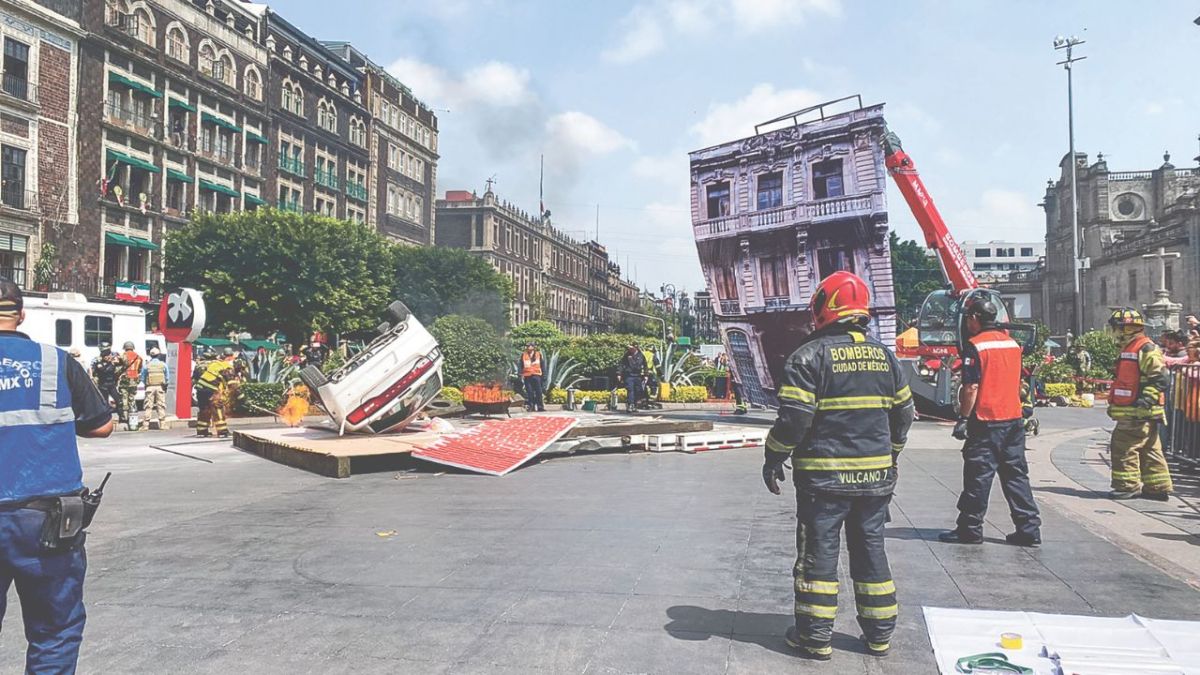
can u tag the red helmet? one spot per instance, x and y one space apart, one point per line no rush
840 296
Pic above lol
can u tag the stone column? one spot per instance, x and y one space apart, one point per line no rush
1162 312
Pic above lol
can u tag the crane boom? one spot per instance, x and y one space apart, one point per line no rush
937 237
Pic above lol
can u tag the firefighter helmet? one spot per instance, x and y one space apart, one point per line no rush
982 308
1126 317
840 297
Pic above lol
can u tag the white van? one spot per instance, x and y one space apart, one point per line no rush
71 320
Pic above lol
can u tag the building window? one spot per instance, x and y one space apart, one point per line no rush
175 196
97 329
16 69
774 276
770 190
253 83
12 178
208 59
177 44
358 132
1104 291
13 251
830 260
141 26
293 98
727 284
827 179
1133 285
983 253
718 200
1026 252
327 116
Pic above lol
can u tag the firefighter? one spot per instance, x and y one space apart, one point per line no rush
105 369
531 377
633 371
212 389
1136 403
131 374
992 425
156 377
844 413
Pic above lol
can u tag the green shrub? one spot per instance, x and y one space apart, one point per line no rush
1103 348
689 394
473 350
260 398
1066 389
600 353
598 395
1057 371
452 394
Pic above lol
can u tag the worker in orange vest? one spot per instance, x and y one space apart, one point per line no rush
531 376
1136 401
991 424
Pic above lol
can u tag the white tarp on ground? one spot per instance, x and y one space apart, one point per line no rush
1085 645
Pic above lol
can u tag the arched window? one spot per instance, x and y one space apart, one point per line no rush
115 11
286 95
358 132
253 83
225 71
142 25
177 43
327 117
297 100
208 59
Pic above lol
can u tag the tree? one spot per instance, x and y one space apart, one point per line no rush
915 273
437 282
1103 348
269 270
474 352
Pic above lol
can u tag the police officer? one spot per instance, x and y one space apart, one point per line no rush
51 401
131 374
844 413
1136 403
105 371
157 377
992 425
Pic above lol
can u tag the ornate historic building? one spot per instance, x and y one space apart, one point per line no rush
1123 216
775 213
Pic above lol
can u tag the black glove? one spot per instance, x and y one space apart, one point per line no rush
772 470
960 429
1148 399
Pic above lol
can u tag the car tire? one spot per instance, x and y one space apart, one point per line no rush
399 312
313 378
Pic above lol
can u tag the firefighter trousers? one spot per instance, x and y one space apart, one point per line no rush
819 522
1137 458
991 448
212 412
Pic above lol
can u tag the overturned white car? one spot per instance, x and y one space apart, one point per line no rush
384 386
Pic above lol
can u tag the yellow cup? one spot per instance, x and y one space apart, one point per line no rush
1010 640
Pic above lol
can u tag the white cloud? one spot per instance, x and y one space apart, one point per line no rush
493 83
1153 108
728 121
580 133
1005 214
646 28
671 167
911 115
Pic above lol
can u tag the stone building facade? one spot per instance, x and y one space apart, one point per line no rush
403 146
775 213
554 277
1123 216
38 89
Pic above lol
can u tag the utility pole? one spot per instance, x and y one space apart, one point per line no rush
1076 245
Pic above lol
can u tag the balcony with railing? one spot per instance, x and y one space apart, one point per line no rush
325 178
292 165
289 205
217 153
182 141
356 191
730 307
129 118
809 213
18 87
15 196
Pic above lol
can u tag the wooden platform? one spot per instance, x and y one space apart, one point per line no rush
320 450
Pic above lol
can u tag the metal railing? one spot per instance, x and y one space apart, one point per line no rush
15 196
285 205
129 118
852 206
729 307
356 191
1183 415
222 155
182 141
19 87
327 179
292 165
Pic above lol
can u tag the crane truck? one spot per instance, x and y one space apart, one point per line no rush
934 376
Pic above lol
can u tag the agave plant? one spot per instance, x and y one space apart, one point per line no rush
273 368
559 372
675 369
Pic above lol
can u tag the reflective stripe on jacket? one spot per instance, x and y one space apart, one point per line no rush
844 409
214 375
531 364
37 425
999 397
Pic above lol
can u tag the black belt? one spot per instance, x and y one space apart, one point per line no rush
40 504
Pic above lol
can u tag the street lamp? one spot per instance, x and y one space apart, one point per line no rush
1076 258
644 316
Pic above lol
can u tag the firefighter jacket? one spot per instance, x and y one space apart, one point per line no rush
215 375
1141 380
844 410
992 360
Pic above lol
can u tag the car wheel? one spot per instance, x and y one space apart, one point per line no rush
313 378
398 311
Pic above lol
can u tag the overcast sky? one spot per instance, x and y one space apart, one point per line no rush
615 94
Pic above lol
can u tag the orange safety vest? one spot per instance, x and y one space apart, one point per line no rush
531 364
1000 377
134 370
1127 384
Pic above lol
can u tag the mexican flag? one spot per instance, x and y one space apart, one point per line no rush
132 291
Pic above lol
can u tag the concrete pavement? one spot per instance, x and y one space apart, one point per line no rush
219 561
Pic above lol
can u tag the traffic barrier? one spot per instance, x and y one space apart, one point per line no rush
720 440
1184 414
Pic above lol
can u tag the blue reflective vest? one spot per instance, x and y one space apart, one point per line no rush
38 453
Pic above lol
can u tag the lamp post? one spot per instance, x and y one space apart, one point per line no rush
644 316
1076 258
